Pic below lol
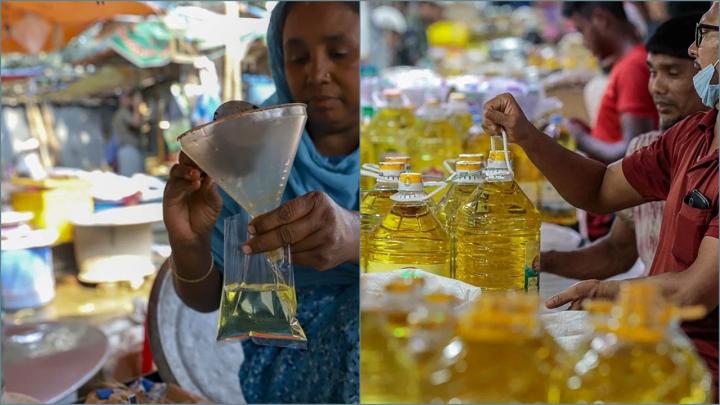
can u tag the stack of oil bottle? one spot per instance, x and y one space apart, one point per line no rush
450 199
480 224
416 347
483 227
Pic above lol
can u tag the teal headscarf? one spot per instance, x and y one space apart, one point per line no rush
338 177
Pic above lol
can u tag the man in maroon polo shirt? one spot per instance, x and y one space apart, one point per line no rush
680 168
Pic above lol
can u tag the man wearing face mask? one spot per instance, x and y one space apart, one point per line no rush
680 168
636 231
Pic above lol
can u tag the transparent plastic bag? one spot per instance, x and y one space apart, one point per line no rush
258 298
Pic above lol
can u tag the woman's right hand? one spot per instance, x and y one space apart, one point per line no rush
191 204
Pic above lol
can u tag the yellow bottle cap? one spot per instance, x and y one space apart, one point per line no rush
472 157
392 166
468 166
404 159
411 178
501 316
640 313
457 96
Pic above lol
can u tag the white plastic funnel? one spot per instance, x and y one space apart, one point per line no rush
249 153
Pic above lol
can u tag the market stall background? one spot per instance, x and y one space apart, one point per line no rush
82 244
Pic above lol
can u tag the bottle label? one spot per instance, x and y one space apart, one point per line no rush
532 267
439 269
532 280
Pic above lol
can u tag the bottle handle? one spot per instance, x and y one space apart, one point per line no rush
447 163
439 184
506 151
371 167
368 173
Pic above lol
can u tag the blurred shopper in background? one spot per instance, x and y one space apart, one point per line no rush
626 109
126 127
636 233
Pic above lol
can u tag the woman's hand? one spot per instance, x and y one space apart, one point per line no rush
504 112
320 233
191 204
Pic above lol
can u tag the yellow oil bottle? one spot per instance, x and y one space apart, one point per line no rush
366 151
477 139
384 364
410 235
501 355
390 127
639 356
498 233
450 167
460 117
553 207
432 325
376 203
434 140
527 175
467 178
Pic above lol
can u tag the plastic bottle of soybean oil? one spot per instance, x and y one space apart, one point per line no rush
501 355
497 233
477 139
640 355
410 235
460 116
390 127
376 203
467 178
553 207
450 166
385 368
432 325
527 175
434 140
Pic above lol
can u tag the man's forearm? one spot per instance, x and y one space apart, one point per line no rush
192 263
578 179
600 260
602 151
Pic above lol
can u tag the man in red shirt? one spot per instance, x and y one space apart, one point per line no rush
680 168
671 85
626 109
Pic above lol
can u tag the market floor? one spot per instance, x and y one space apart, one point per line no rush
116 309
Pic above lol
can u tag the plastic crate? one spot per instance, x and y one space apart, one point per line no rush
54 202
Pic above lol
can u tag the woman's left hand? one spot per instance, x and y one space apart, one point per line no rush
320 233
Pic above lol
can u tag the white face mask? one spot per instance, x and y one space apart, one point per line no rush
709 93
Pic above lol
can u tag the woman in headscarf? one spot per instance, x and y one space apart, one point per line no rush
314 57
